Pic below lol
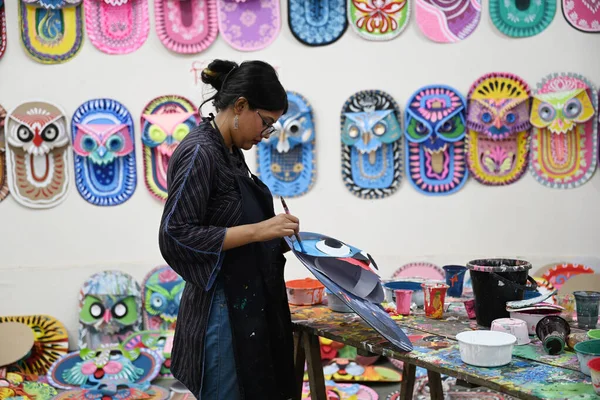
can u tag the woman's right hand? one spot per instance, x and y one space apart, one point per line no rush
279 226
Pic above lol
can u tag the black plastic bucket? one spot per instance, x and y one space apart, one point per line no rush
496 281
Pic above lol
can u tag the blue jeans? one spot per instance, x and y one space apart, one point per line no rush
219 381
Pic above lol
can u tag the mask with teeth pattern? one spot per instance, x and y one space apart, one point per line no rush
166 121
434 146
564 135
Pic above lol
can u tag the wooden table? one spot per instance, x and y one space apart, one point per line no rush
532 374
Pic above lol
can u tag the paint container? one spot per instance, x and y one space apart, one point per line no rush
486 348
515 327
470 307
587 303
575 338
594 366
435 295
532 317
335 304
304 292
593 334
568 302
553 332
586 351
403 301
414 285
455 277
496 281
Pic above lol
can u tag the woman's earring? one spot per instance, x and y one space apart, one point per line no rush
235 122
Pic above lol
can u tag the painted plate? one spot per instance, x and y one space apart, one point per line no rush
420 270
152 393
342 391
51 342
560 273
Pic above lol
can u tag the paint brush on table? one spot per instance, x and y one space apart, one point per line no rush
287 211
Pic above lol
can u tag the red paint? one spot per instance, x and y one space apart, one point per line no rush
594 364
354 261
306 283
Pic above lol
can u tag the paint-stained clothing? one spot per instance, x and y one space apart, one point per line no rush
210 189
203 199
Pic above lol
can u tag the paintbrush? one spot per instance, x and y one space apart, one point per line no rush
287 211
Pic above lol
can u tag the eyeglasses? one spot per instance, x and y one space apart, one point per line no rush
268 130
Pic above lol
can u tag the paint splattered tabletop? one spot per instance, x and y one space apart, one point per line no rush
531 375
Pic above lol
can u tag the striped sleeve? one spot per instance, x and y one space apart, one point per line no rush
190 247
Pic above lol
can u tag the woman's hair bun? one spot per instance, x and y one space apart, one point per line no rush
216 72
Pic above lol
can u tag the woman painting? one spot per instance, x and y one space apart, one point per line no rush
220 233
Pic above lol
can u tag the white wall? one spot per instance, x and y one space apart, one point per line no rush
46 255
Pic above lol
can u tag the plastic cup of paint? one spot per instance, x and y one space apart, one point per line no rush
455 276
470 307
587 303
403 301
567 301
593 334
594 366
435 295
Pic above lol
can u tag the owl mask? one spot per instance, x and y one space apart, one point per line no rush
108 368
286 160
518 18
163 288
349 274
371 152
51 30
110 308
103 143
37 154
166 121
564 138
117 26
498 129
434 147
3 180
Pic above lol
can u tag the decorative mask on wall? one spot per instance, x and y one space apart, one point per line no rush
163 288
435 129
2 29
564 138
350 275
249 25
166 121
522 18
103 143
117 26
3 181
583 15
498 129
378 20
37 154
110 309
51 30
51 342
371 147
317 22
188 26
106 368
286 160
159 341
447 21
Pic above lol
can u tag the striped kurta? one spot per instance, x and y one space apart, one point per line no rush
203 199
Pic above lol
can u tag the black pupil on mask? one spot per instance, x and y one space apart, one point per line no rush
420 127
333 243
294 128
24 134
96 310
119 310
50 133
